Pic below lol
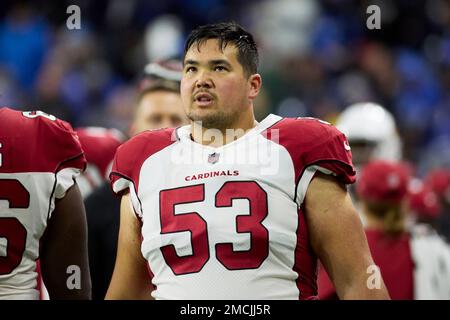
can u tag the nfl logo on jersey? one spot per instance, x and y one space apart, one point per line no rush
213 158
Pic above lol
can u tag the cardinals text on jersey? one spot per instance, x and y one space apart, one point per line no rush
214 229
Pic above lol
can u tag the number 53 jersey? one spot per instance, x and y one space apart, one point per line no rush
39 158
228 222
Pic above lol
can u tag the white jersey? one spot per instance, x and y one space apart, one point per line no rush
228 222
39 158
431 256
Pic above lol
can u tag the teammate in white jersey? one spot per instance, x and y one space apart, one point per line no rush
41 210
228 208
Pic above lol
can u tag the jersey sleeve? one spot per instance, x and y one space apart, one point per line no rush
132 154
314 145
122 175
326 150
331 155
129 159
122 169
63 151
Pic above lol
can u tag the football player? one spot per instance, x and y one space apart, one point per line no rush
228 208
414 262
41 210
99 146
371 131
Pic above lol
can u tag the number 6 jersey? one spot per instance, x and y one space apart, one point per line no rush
39 158
228 222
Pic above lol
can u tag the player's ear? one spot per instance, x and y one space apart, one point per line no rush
255 82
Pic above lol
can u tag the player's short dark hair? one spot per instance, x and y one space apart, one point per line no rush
225 33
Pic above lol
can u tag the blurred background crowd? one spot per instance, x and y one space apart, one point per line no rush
317 58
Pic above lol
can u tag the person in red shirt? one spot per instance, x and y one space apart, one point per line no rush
439 181
408 262
424 207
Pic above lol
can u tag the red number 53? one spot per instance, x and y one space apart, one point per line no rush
249 223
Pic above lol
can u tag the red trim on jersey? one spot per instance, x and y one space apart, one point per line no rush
149 270
131 155
311 142
305 262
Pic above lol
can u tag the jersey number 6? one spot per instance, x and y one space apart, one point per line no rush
11 230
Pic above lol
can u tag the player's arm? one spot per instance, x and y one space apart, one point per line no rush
338 238
64 244
131 279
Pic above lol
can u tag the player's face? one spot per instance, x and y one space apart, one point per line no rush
158 109
214 87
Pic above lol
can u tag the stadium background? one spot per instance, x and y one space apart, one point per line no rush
317 57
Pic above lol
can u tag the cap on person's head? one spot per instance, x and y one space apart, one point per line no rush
164 74
383 181
422 200
439 182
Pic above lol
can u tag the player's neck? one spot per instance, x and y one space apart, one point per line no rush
218 137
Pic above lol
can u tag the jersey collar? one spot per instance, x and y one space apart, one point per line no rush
184 133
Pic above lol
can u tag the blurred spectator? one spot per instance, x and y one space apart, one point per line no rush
414 265
10 93
158 102
371 131
378 61
163 38
423 205
99 146
24 41
417 98
439 182
291 20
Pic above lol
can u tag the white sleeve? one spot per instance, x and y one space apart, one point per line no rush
305 180
65 179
